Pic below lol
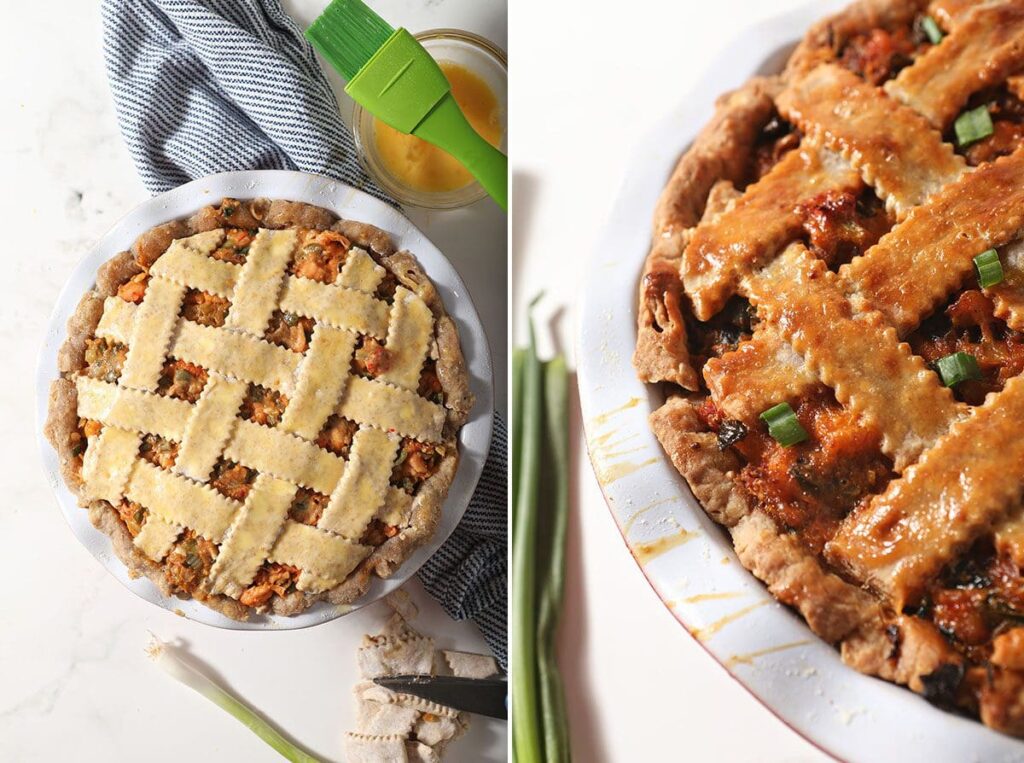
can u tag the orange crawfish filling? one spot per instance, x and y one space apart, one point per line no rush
321 255
417 462
182 380
291 331
189 562
233 480
79 439
337 434
809 487
977 599
880 54
969 325
236 245
134 289
263 406
204 308
133 515
840 225
370 358
377 532
308 506
159 451
104 359
430 385
271 579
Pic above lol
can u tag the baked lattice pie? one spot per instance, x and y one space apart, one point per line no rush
260 406
834 303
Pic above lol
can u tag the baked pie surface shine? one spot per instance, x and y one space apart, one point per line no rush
260 405
815 248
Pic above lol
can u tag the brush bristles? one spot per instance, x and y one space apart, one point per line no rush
347 34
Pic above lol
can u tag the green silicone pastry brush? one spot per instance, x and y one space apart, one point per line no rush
396 80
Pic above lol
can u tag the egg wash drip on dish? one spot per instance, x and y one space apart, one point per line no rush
425 167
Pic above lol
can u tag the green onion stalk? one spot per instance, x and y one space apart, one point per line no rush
526 733
172 664
540 486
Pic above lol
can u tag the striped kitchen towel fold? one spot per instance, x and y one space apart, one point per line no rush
207 86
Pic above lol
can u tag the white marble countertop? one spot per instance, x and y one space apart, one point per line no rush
640 688
76 682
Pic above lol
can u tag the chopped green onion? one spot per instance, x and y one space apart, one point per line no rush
988 268
931 30
783 425
972 126
956 368
165 656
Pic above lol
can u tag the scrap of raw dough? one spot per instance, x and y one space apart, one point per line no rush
402 728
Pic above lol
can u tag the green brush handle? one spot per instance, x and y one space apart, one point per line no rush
447 128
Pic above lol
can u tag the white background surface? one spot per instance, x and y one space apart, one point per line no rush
74 681
640 687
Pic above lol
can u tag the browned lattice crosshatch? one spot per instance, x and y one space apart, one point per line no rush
747 301
324 424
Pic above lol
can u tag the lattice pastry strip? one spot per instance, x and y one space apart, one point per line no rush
861 359
1008 295
758 225
893 147
958 489
377 404
236 355
209 427
131 409
983 49
337 306
285 456
363 487
321 383
360 272
179 500
152 330
409 333
921 261
324 558
156 538
196 270
758 374
256 290
251 535
107 463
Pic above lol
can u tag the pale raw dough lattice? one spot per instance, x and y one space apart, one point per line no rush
237 356
956 469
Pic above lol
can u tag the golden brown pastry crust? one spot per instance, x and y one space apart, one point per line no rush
928 188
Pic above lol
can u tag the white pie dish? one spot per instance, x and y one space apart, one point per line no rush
762 644
347 202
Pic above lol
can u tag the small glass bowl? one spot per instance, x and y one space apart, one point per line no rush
481 57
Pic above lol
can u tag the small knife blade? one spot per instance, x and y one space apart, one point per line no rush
484 696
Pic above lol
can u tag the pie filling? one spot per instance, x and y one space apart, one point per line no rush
837 480
317 256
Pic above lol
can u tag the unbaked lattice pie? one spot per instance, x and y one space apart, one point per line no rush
834 305
260 406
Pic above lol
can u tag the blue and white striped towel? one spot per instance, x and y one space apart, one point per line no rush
206 86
